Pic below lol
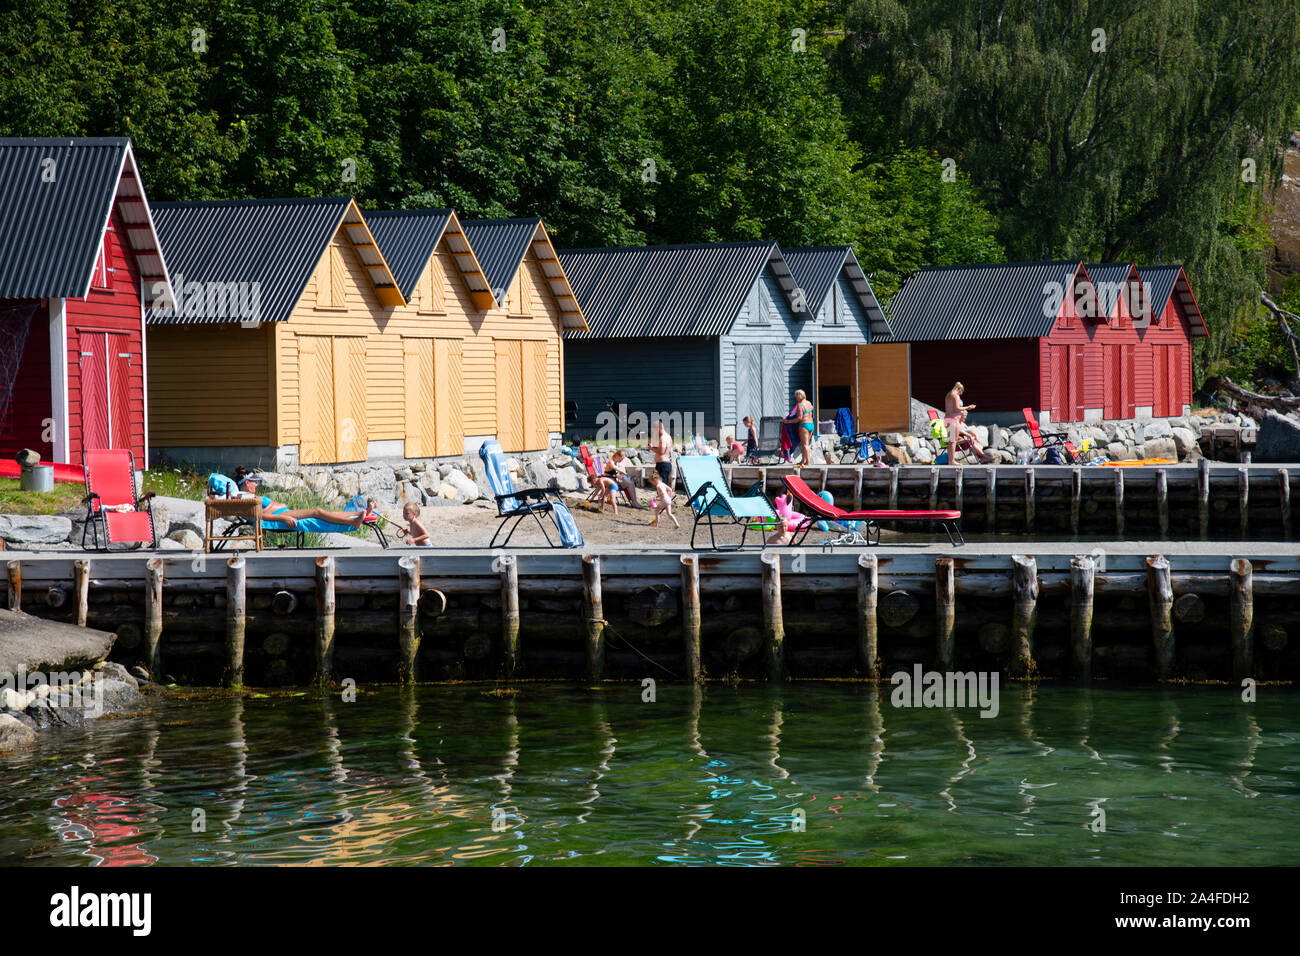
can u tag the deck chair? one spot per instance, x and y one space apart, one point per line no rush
711 500
1070 453
769 442
868 445
282 534
111 502
513 506
823 510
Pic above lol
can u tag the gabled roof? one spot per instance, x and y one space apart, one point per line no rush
275 244
500 246
1162 282
1008 300
408 237
56 198
1109 279
816 269
668 290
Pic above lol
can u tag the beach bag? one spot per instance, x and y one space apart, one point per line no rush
1054 455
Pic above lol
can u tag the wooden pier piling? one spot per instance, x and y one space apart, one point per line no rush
510 612
1203 497
15 570
991 499
1160 595
958 492
944 611
236 568
593 612
1082 582
857 488
1243 500
1031 498
81 584
408 617
324 648
893 489
1076 497
1241 613
868 633
1284 501
934 488
1162 502
773 619
1119 503
153 614
1024 588
691 615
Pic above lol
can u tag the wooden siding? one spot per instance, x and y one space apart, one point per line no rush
1000 375
30 402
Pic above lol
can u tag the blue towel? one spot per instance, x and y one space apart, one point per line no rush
498 476
570 535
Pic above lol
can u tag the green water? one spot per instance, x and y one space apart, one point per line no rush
561 774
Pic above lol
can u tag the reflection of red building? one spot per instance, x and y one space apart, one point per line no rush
78 259
1075 342
111 837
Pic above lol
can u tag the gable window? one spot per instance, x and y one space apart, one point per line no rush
836 308
103 277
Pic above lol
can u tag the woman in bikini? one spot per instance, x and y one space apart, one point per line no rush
801 418
954 419
273 510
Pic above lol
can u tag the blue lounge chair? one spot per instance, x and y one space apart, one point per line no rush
219 484
710 499
513 506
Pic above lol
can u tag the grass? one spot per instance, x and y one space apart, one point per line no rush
64 497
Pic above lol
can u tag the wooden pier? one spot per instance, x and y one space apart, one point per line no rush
1127 610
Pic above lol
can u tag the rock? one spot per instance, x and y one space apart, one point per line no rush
167 544
409 491
27 457
140 673
377 483
652 606
111 670
11 699
924 453
161 519
31 644
448 492
537 474
919 417
1119 451
59 712
116 697
1279 439
567 478
1020 440
465 486
275 481
892 438
1185 442
34 529
1159 448
348 483
1156 428
898 454
187 540
404 474
15 735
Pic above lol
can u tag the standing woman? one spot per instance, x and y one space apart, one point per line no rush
954 420
801 419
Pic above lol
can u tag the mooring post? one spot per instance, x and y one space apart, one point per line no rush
15 586
1241 609
691 613
1119 503
1243 500
893 488
235 620
510 612
1076 498
944 610
868 596
934 488
1082 581
324 619
153 608
1160 594
857 488
1030 500
1162 501
81 577
773 619
1284 501
408 617
1024 586
1203 496
991 499
958 492
593 609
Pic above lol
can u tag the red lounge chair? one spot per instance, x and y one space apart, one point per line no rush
111 502
950 521
1042 441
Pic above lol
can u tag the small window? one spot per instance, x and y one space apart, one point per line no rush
103 278
760 307
836 308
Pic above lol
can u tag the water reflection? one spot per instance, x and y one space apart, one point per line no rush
732 776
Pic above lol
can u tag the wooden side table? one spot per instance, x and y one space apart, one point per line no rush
250 509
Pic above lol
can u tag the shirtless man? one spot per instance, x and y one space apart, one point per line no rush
954 419
278 511
662 446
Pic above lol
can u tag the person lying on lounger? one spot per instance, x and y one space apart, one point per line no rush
273 510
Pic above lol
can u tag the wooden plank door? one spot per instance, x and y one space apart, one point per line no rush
316 434
421 398
536 396
1160 381
449 398
1059 372
510 400
352 436
777 399
1110 381
1127 382
92 350
1075 379
749 382
119 389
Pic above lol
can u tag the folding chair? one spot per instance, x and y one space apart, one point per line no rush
822 510
963 445
711 499
515 505
111 502
1047 441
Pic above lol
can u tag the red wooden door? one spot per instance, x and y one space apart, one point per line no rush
1127 382
1160 381
93 349
1076 380
1110 381
1057 382
119 390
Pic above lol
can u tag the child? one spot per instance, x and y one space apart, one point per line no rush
417 532
662 500
751 439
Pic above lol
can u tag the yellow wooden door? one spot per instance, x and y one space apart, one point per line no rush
316 434
421 398
510 399
352 435
536 396
449 397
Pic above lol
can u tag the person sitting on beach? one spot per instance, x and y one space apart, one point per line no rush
273 510
735 450
416 533
954 419
616 472
662 502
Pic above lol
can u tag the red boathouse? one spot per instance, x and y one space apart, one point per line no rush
79 257
1072 341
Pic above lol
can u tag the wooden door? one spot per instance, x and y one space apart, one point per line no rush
1059 372
1160 381
777 399
316 437
536 396
510 399
1075 380
1127 376
119 389
352 436
450 399
1110 381
421 398
749 382
92 348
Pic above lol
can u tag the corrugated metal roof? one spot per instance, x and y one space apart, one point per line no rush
1161 282
815 270
56 196
666 290
276 243
1108 279
1008 300
407 237
499 245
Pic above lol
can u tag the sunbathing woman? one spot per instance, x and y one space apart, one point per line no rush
278 511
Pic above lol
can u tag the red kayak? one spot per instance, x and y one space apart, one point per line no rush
62 472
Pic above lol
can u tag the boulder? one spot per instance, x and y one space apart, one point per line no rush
11 699
15 734
924 454
537 473
27 457
378 483
898 453
1020 440
31 644
348 483
111 670
448 492
34 529
919 423
1159 448
404 474
117 696
1186 444
567 478
465 486
182 514
1279 439
168 544
59 712
444 469
187 539
1119 451
1156 428
277 481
